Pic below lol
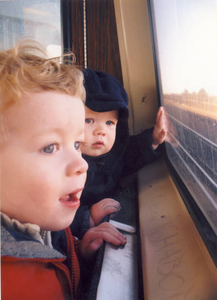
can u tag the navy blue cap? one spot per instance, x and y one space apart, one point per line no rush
105 93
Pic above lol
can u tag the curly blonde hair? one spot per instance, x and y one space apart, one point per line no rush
25 68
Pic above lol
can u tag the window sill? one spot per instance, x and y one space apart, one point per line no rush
176 263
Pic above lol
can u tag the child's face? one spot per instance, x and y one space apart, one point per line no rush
100 132
42 171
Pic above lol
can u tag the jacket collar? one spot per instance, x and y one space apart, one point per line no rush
24 240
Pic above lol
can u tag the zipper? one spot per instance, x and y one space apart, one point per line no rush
64 268
70 258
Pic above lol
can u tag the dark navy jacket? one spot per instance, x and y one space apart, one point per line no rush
128 155
104 173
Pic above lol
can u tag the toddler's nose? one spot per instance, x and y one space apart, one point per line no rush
99 131
77 166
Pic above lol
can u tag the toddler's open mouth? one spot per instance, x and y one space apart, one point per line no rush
72 198
67 198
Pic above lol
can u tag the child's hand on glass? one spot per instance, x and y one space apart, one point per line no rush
94 237
160 128
101 209
164 130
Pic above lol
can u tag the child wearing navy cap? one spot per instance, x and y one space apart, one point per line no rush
108 149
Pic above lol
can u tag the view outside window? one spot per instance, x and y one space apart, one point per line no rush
186 39
37 19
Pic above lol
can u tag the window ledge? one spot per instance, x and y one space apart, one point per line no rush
176 263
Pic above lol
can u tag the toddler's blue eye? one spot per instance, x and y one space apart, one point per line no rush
49 149
77 145
109 123
88 120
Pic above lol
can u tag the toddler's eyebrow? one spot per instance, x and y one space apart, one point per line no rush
48 131
57 130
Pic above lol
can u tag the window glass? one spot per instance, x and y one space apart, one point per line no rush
37 19
186 40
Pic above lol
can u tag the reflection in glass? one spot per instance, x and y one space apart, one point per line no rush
186 39
37 19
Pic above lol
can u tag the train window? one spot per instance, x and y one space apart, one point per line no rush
37 19
185 38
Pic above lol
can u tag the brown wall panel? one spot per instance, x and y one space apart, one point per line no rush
102 41
77 31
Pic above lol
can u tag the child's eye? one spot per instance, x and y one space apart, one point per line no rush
49 149
88 120
77 145
109 122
